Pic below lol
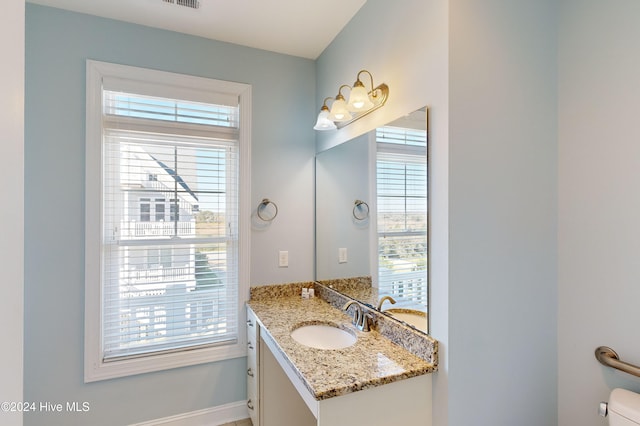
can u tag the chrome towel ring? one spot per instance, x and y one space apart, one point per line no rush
263 212
360 210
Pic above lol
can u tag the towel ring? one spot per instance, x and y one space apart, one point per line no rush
262 206
357 207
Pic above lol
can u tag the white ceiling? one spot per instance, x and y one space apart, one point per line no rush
294 27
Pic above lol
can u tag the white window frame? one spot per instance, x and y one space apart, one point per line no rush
94 367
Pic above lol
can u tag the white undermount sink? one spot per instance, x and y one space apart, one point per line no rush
323 336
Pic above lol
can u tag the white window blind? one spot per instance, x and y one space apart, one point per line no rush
170 248
401 176
170 275
118 105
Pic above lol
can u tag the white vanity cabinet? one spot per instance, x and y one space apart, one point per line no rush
287 402
253 371
281 376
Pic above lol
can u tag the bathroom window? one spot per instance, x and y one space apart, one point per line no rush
401 185
164 290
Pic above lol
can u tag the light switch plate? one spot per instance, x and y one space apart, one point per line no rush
342 255
283 259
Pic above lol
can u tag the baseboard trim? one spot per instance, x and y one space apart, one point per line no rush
213 416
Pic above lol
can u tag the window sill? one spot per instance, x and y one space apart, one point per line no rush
96 370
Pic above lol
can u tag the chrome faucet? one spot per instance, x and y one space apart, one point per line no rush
389 298
360 319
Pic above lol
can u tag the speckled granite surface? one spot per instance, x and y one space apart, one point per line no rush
415 341
373 360
358 288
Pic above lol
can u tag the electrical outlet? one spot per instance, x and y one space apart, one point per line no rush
283 259
342 255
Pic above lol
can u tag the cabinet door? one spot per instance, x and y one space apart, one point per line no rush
253 339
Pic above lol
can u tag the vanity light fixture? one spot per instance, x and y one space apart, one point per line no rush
359 96
361 102
339 111
323 122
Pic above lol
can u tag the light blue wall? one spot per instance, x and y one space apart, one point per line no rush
492 96
599 230
503 213
57 46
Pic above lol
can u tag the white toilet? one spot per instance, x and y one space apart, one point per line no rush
623 408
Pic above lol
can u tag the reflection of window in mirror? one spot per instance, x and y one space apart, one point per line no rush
401 186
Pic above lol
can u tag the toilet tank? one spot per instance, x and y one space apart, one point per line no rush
624 408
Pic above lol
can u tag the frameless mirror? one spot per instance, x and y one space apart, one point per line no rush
371 219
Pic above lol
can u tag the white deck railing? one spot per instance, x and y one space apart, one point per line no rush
160 229
411 286
145 276
146 316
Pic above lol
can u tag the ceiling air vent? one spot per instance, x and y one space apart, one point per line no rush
194 4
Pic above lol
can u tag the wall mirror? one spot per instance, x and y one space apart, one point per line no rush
372 218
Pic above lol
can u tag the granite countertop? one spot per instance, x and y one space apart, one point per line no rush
372 361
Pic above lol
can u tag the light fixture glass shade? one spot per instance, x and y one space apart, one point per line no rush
339 111
323 122
359 99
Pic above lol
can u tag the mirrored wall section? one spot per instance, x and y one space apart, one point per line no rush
343 177
372 218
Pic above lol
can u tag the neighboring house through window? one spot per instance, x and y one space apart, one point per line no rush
166 244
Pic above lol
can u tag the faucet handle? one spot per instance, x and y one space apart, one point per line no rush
365 324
